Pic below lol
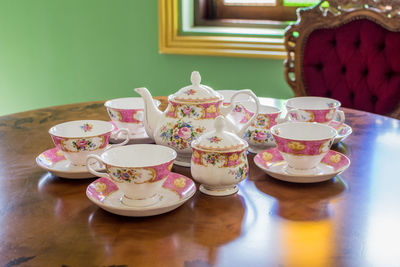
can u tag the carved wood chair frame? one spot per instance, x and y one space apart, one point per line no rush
383 12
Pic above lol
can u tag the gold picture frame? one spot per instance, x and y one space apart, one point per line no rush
171 42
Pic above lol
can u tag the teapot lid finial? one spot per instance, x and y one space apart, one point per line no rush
195 78
196 92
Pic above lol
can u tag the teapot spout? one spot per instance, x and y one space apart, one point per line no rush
151 113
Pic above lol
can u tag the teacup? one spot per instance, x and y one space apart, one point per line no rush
78 139
303 144
315 109
258 135
128 112
138 170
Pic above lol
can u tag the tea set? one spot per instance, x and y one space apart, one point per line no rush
209 131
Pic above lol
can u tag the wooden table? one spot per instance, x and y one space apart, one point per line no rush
351 220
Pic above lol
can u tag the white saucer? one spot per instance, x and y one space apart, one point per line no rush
176 190
343 130
139 138
54 161
273 164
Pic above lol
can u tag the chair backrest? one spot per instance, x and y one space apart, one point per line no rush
349 51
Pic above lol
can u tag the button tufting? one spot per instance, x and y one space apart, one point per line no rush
352 96
374 99
333 42
389 74
319 66
365 72
381 46
328 93
343 70
357 43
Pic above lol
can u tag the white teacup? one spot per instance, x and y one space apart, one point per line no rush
128 112
315 109
303 144
138 170
78 139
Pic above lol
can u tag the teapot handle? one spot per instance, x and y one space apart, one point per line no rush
225 110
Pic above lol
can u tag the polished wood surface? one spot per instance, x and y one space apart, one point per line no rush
351 220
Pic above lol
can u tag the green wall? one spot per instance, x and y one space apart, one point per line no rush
55 52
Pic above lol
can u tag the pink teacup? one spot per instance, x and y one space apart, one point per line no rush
138 170
78 139
303 144
315 109
128 112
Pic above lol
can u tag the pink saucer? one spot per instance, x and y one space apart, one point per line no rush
53 160
272 163
175 191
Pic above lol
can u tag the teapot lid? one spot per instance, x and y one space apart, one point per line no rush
219 140
196 92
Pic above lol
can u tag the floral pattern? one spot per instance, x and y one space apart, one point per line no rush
190 92
179 135
262 121
188 111
259 136
180 182
134 175
211 109
86 127
214 159
267 156
83 144
220 160
296 146
114 114
335 158
240 173
214 139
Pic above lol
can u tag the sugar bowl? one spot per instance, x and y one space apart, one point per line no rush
219 160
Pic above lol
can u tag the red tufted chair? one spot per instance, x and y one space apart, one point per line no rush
349 51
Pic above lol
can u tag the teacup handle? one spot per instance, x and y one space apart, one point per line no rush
122 130
340 116
93 171
289 116
225 110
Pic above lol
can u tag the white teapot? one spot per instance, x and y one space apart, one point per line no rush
191 112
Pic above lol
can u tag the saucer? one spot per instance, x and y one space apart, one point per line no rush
175 191
139 138
273 164
343 130
53 160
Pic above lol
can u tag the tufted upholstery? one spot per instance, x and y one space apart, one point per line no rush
357 63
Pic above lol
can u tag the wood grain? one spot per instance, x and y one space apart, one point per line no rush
351 220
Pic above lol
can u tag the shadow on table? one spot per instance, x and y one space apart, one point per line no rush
302 202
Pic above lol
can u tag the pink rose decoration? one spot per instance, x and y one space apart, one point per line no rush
81 143
187 111
261 136
184 133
